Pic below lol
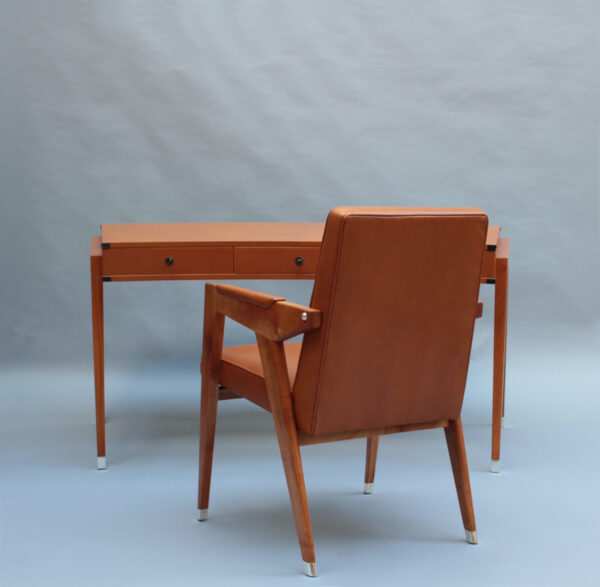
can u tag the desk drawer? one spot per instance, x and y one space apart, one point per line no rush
276 260
167 261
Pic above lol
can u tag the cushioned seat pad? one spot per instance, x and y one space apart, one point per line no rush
242 372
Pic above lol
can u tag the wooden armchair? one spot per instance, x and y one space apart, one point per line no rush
386 345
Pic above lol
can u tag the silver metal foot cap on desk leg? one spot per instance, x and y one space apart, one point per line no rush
368 488
202 515
101 463
496 466
471 536
310 569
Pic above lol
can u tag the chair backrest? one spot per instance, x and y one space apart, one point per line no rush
398 289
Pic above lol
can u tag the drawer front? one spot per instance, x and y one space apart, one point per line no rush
276 260
167 261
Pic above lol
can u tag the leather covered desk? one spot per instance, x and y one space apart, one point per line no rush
244 250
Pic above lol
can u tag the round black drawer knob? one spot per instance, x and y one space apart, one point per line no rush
299 261
169 261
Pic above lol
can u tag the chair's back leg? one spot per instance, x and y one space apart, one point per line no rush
278 387
371 461
214 324
458 458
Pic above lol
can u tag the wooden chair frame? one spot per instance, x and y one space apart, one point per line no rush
273 321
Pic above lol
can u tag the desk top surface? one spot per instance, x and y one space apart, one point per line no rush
184 234
190 234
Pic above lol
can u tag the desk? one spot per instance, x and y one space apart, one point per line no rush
245 250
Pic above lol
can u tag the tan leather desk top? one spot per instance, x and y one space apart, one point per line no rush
189 234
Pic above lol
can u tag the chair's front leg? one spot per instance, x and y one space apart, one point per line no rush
458 457
371 461
214 324
278 387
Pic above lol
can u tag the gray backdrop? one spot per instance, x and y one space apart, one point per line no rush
229 111
224 110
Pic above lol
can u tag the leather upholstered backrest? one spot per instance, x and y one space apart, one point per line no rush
398 289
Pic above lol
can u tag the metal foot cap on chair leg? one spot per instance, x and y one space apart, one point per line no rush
471 536
368 488
310 569
496 466
101 463
202 515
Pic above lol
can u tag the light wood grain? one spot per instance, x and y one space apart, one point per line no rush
458 458
280 321
280 398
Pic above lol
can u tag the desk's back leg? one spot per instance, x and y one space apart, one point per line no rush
500 318
98 337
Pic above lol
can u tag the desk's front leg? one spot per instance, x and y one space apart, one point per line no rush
98 338
500 319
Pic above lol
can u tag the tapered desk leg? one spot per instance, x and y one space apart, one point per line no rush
500 318
98 337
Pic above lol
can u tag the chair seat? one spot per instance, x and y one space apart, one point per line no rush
242 372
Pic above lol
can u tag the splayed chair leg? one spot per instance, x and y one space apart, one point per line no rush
272 357
458 458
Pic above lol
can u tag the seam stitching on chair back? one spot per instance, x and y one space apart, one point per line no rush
329 315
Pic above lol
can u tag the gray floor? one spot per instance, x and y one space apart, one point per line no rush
64 523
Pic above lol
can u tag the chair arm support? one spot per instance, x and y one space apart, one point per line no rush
270 316
479 312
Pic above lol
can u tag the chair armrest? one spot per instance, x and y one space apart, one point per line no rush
270 316
250 296
479 312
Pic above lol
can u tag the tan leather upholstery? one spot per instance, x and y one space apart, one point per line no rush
242 371
397 288
398 293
